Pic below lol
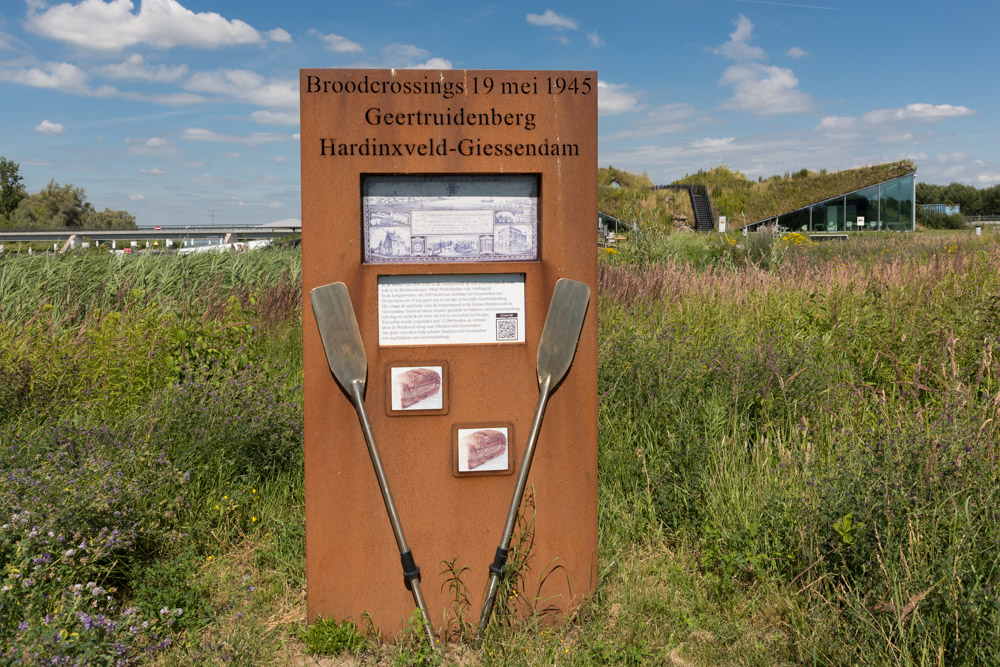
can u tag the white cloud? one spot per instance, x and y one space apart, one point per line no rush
49 128
796 52
552 20
252 139
666 119
155 171
339 44
958 156
275 117
408 56
921 112
137 197
836 124
406 53
738 48
613 98
169 99
6 41
68 78
279 35
713 144
246 86
433 63
594 39
961 166
764 90
56 76
151 146
113 25
135 68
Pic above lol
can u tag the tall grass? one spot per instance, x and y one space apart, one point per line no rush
826 425
798 460
150 421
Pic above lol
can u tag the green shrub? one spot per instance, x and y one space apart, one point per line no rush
327 637
936 220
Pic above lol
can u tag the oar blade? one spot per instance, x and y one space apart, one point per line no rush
561 333
345 351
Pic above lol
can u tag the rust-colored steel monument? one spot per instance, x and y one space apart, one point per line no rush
449 203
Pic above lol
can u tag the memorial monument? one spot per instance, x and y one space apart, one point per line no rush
448 203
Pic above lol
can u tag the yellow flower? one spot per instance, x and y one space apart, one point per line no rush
210 558
216 507
253 519
225 497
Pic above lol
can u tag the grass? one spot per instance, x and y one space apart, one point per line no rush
797 462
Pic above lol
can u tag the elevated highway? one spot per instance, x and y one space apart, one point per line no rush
232 234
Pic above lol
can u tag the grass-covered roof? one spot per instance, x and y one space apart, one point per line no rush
744 201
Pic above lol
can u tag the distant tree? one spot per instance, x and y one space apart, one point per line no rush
972 200
53 206
928 193
991 200
107 219
11 188
966 196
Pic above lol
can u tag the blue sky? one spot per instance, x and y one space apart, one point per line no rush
186 111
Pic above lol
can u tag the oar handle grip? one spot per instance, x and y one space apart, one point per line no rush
410 569
499 561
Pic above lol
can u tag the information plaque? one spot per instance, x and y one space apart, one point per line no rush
451 309
448 203
450 219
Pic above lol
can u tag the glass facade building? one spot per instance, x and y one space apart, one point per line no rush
886 206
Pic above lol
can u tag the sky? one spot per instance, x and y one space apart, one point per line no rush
185 112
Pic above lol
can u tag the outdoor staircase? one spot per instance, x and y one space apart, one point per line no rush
703 219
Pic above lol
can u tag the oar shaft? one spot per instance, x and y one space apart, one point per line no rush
410 570
508 530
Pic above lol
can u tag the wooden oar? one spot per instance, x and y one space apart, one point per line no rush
556 350
345 352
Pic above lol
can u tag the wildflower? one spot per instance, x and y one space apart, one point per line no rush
210 558
253 519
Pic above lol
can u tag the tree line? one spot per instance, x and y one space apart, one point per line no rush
974 201
54 206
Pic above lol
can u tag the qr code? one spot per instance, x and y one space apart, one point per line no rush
506 328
